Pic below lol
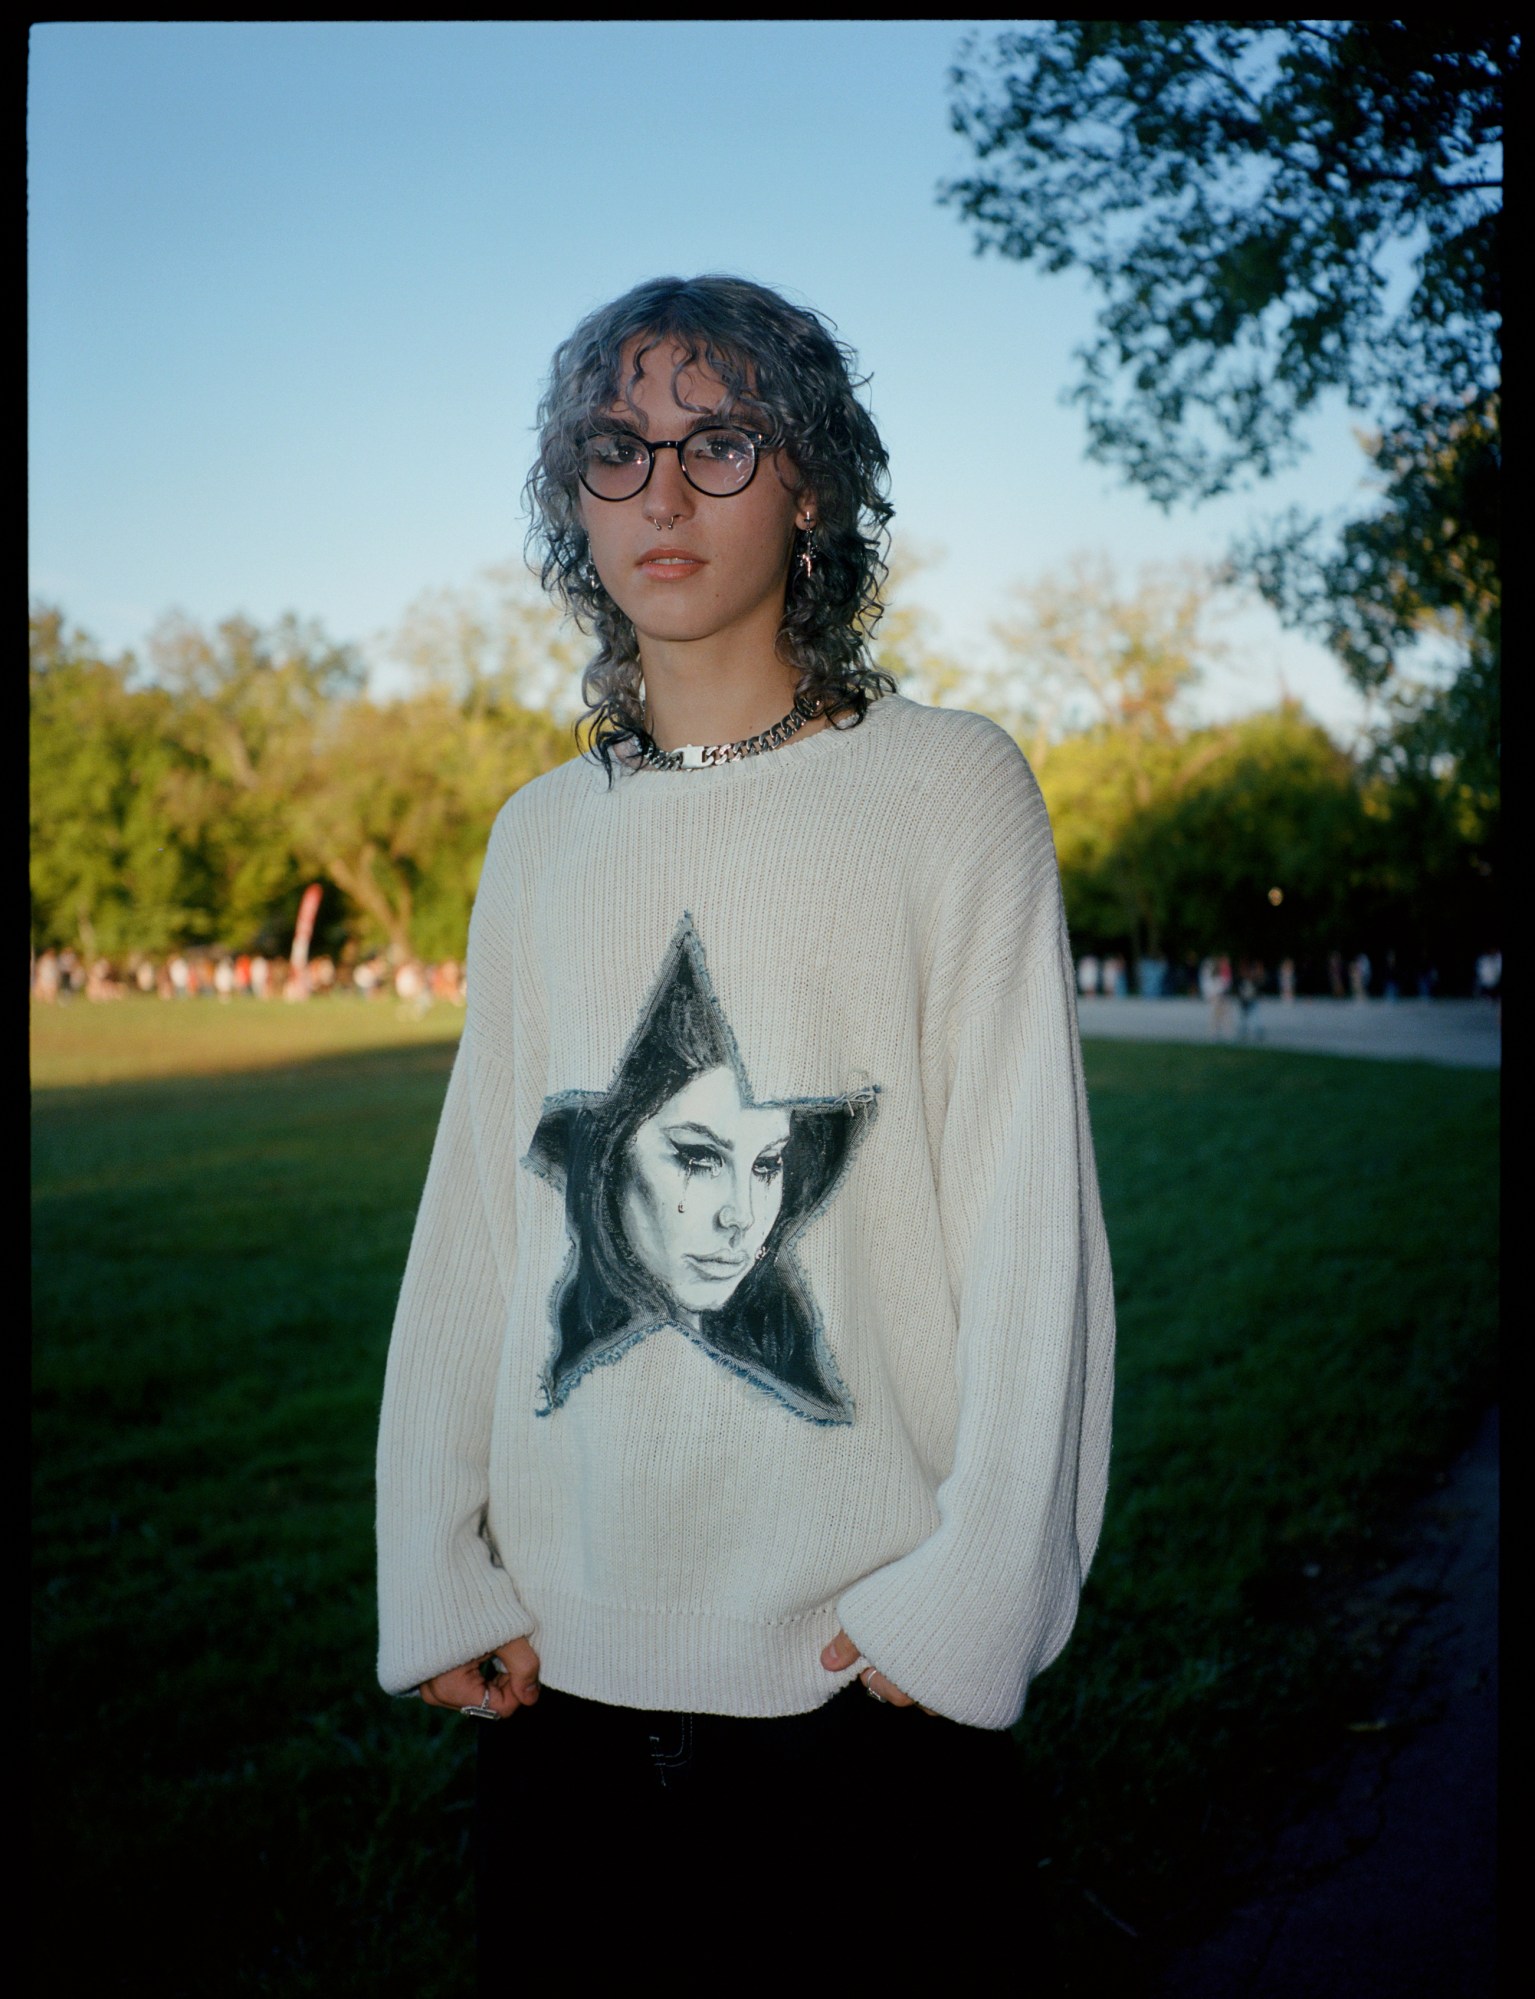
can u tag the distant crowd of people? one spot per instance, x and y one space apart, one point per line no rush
1223 982
64 975
1217 979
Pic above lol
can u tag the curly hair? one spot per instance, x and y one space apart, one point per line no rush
786 375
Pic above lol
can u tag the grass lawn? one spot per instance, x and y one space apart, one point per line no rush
131 1040
1304 1253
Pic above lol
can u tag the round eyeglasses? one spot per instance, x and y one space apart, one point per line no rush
617 464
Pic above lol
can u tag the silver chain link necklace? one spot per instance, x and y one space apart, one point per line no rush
699 756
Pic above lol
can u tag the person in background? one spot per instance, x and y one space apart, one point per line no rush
1393 985
410 987
45 978
1489 974
1250 976
1215 990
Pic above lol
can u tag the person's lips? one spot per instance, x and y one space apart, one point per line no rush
669 562
718 1266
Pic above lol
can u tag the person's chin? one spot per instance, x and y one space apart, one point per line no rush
707 1295
675 624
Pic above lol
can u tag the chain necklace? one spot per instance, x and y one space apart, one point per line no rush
700 756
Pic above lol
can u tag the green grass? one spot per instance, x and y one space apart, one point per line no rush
1304 1254
130 1040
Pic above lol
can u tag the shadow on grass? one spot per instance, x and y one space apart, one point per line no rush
217 1259
1304 1252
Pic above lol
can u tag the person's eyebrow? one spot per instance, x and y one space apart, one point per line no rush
704 1132
640 425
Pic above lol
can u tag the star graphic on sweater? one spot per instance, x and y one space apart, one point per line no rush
683 1199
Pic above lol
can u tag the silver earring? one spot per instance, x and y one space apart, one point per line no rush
806 554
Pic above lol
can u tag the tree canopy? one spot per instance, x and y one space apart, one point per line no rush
189 802
1260 837
1271 211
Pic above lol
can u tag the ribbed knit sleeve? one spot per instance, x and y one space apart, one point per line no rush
969 1616
444 1599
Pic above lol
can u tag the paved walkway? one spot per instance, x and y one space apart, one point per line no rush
1463 1033
1386 1890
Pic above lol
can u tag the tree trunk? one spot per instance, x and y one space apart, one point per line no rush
359 881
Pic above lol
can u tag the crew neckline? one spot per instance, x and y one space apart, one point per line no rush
791 756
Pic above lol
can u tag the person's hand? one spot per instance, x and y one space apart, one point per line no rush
841 1653
515 1686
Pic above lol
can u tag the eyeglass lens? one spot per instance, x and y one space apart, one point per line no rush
616 464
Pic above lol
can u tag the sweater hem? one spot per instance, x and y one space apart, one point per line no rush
684 1662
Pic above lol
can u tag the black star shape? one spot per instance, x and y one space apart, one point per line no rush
680 1130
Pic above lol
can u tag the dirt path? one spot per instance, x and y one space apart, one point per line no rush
1387 1888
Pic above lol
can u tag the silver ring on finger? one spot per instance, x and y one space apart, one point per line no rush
482 1711
872 1691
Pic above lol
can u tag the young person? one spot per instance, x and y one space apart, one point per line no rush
746 1422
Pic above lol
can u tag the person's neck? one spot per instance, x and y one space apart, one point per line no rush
698 692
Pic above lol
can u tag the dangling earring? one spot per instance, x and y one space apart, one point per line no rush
807 553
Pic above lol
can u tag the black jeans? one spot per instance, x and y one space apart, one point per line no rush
613 1834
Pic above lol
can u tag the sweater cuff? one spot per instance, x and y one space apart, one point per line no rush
439 1627
967 1659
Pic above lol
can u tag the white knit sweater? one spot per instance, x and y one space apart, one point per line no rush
760 1283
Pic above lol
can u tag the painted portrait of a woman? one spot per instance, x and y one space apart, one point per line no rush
682 1198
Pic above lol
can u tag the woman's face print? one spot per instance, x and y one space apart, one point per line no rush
666 1219
704 1187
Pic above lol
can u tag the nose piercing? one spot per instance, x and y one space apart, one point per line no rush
666 526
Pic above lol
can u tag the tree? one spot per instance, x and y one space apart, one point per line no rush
1079 649
193 807
246 708
108 872
1259 837
904 641
1271 211
398 802
496 641
1426 565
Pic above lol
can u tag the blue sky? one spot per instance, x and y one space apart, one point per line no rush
294 286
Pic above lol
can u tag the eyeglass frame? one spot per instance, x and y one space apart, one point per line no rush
754 438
